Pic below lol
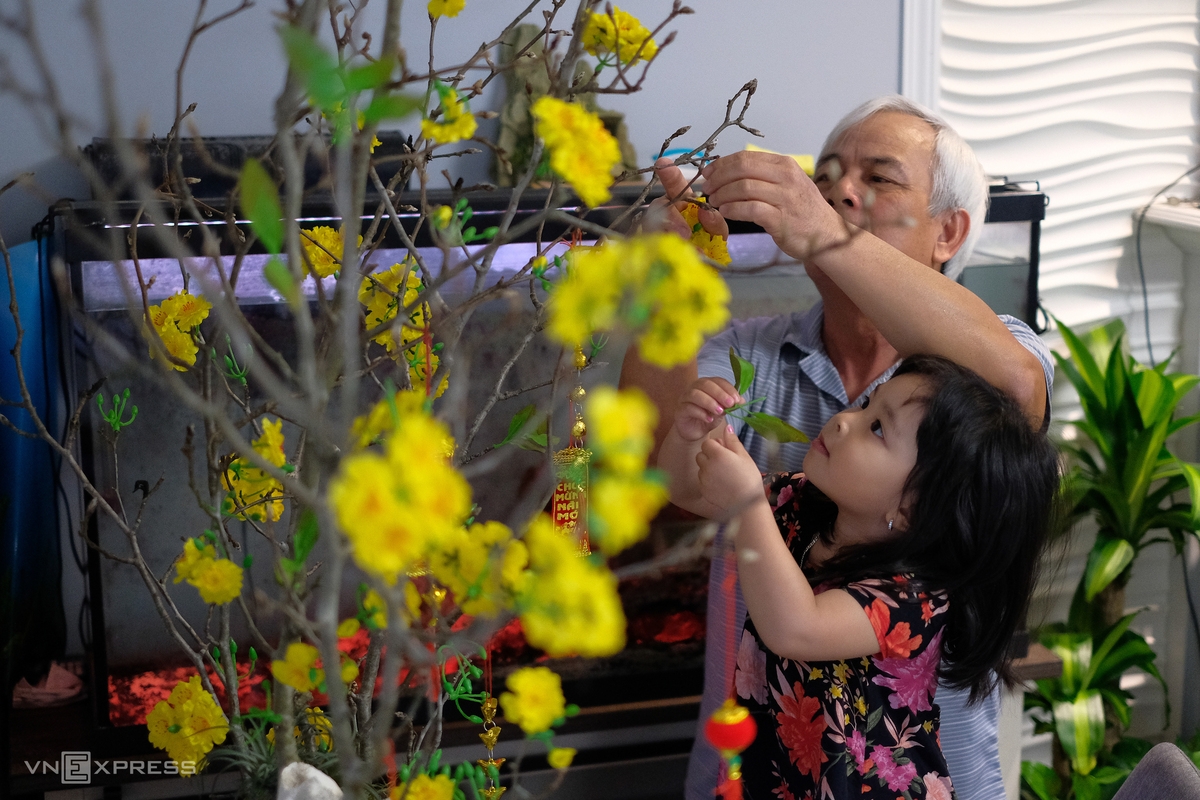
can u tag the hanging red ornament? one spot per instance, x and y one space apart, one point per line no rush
731 730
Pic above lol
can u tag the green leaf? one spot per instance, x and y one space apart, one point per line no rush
316 67
1099 668
1042 780
281 279
773 427
1129 751
518 423
1075 650
1080 728
743 372
260 204
1086 787
1105 564
369 76
307 532
1192 473
391 106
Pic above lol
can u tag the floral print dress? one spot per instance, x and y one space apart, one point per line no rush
856 728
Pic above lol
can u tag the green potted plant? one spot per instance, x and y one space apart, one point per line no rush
1122 474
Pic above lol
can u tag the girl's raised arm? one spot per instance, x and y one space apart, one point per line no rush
791 620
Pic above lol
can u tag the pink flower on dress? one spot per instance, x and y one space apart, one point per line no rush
858 748
750 677
785 495
913 680
937 787
897 777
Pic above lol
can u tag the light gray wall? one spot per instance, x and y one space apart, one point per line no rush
813 59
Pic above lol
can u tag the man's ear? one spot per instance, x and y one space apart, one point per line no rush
955 227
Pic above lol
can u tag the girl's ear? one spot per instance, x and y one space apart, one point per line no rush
898 520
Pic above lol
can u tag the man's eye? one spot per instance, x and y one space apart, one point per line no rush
877 428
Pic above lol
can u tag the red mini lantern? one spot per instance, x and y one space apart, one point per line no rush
731 730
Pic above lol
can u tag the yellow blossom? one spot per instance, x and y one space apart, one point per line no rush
375 610
396 507
534 700
561 757
620 508
568 605
186 309
927 725
179 345
188 724
713 247
381 299
219 581
457 122
815 674
348 627
424 787
349 669
839 670
445 8
251 492
601 37
621 428
582 151
298 668
320 731
860 705
187 565
322 248
836 691
656 284
482 566
442 215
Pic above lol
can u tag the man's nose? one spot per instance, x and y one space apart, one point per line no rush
845 194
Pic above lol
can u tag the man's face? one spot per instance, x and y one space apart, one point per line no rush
879 176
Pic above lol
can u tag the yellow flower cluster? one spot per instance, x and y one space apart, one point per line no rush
457 121
534 700
655 284
322 248
399 506
602 38
582 151
174 320
218 579
568 605
380 296
320 729
712 247
623 497
446 8
298 668
482 565
425 787
251 492
187 724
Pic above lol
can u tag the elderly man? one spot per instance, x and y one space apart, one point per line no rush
892 212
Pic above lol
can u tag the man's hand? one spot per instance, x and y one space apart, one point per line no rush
662 215
702 408
774 192
729 478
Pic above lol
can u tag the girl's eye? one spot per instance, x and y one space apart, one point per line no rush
877 428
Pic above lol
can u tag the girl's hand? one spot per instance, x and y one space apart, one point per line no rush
702 408
729 478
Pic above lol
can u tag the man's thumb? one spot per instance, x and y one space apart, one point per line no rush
671 176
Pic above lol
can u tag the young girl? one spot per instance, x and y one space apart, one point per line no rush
918 519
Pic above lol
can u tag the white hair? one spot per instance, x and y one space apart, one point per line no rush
958 178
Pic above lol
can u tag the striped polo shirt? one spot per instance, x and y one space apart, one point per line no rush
799 383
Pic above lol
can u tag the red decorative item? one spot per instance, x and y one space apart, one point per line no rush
730 729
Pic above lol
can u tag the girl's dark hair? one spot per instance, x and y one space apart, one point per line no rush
979 503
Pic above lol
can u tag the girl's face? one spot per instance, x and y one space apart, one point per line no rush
864 455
